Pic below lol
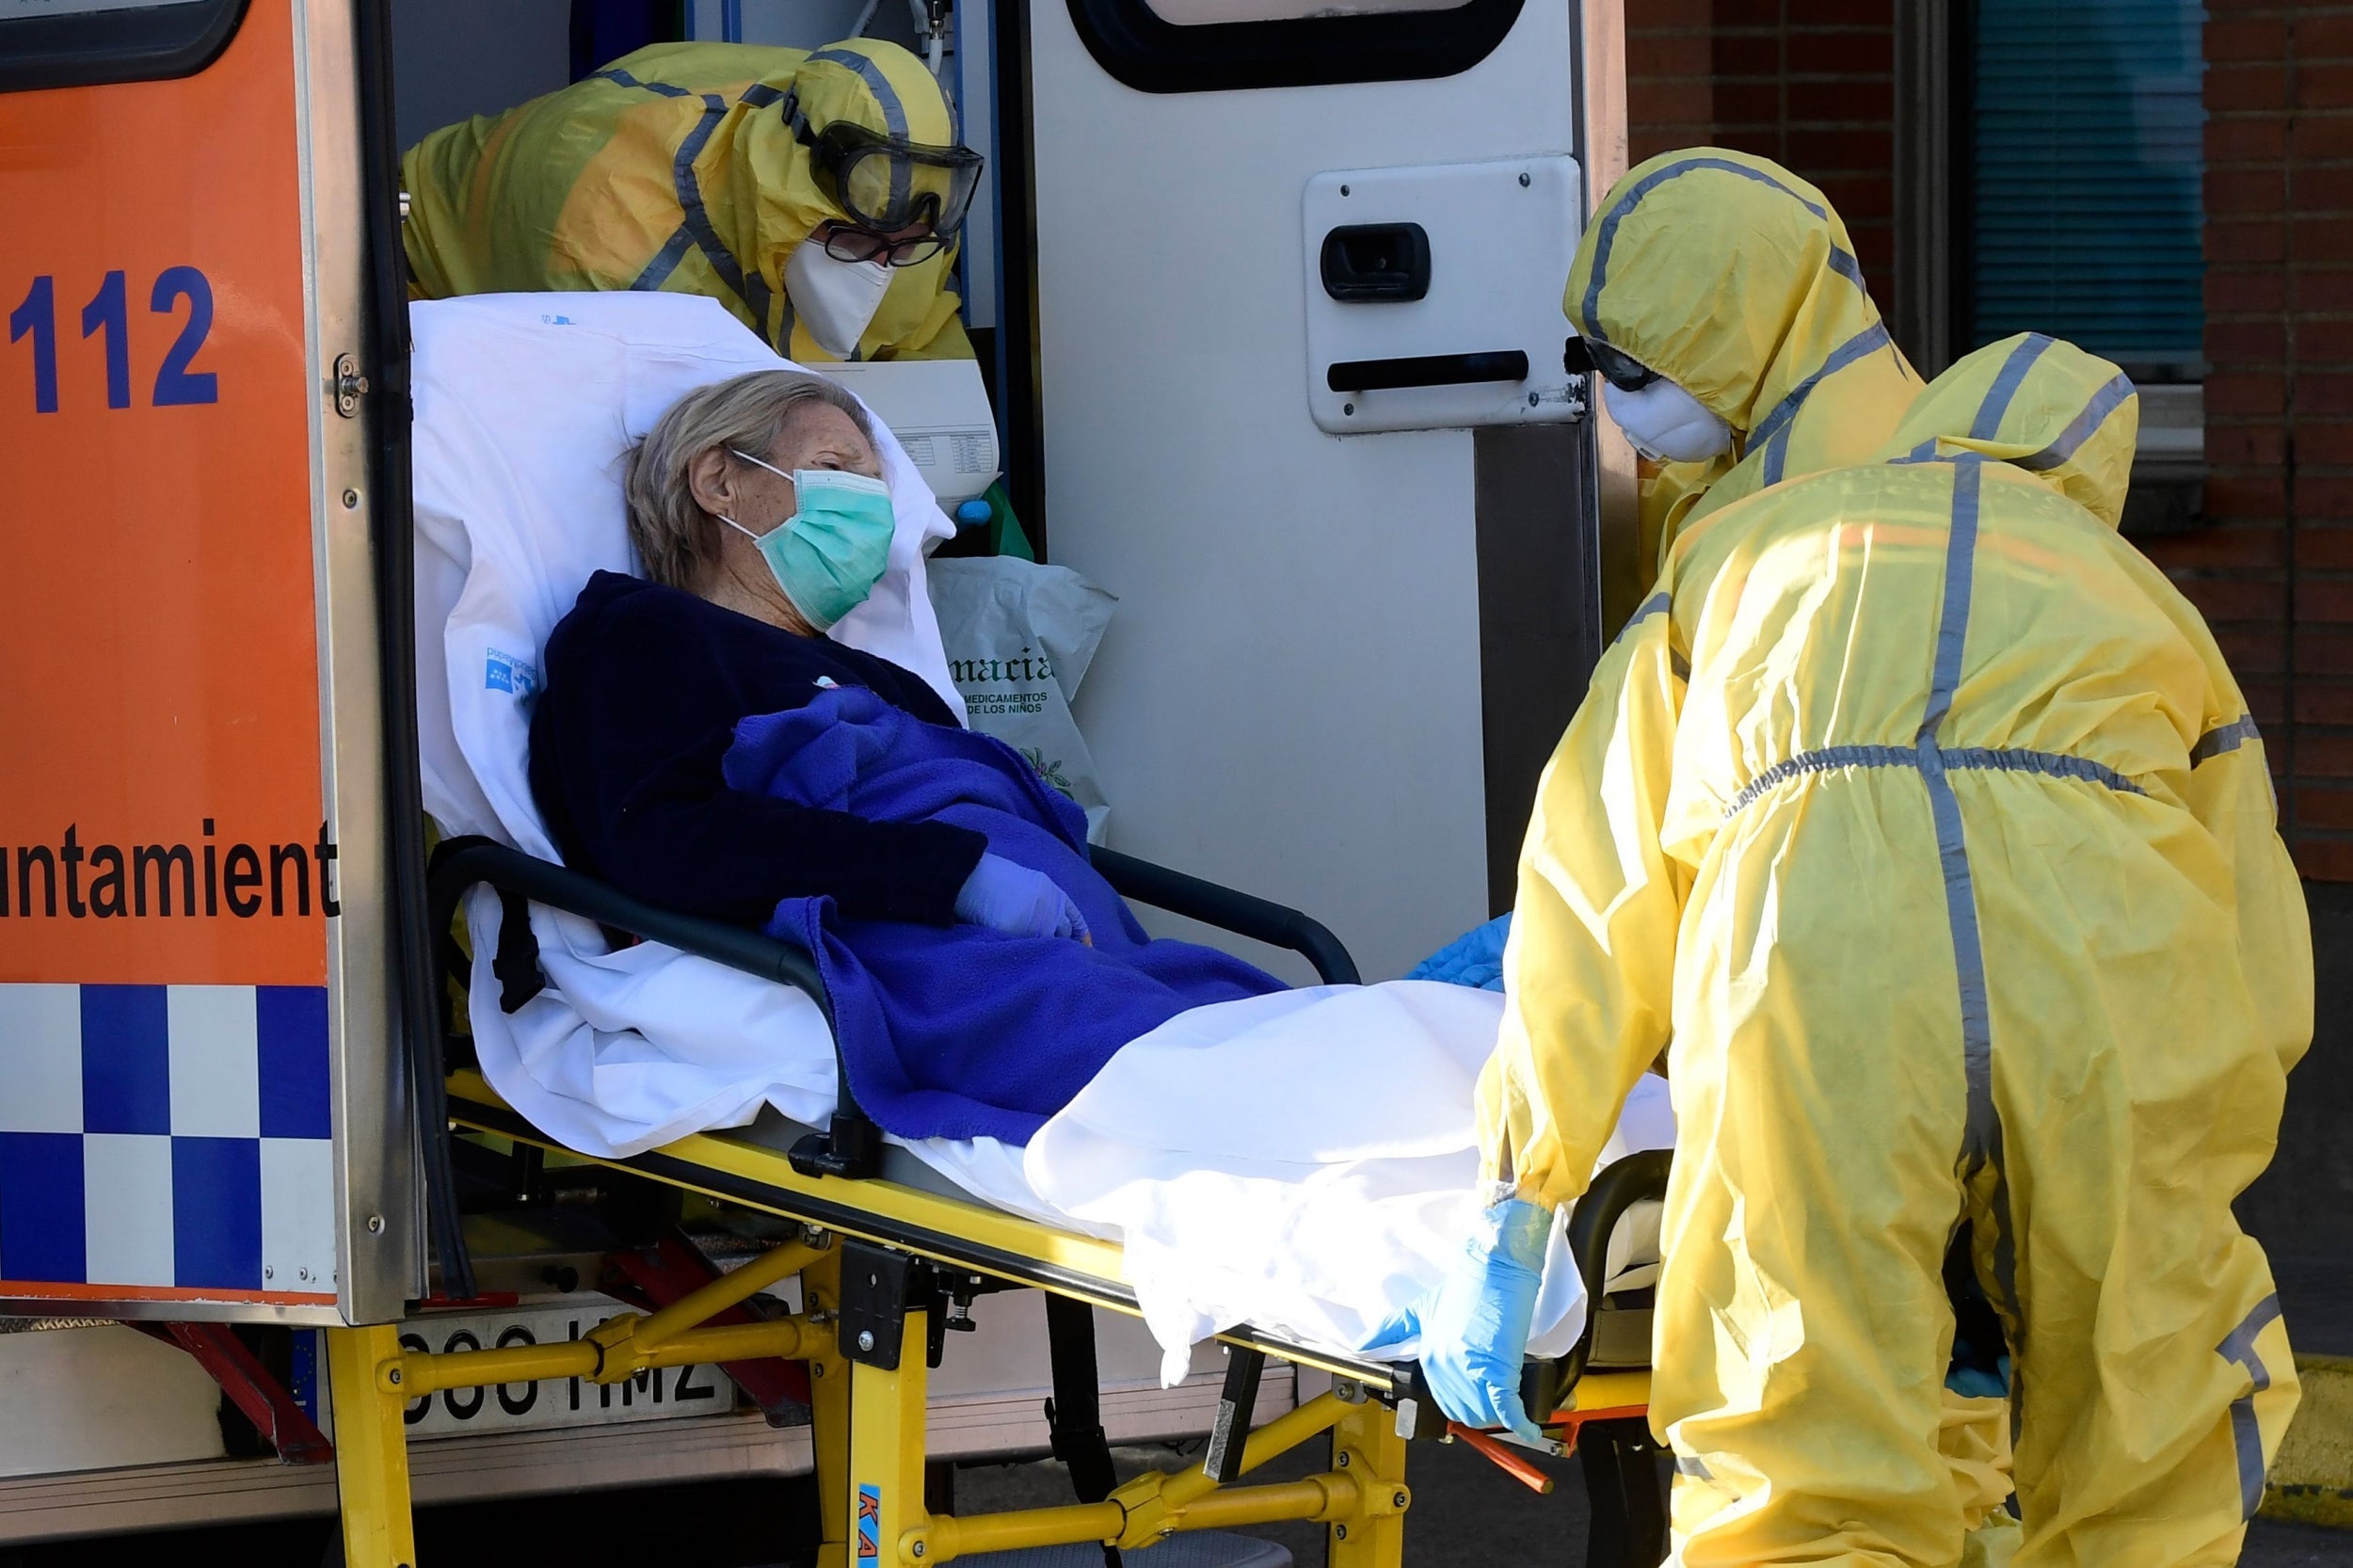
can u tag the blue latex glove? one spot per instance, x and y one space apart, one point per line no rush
1474 1327
1978 1382
1474 959
1004 895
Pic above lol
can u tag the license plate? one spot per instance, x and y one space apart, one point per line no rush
658 1394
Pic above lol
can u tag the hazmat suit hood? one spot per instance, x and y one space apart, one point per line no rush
1726 274
867 82
778 204
677 167
2069 418
1736 281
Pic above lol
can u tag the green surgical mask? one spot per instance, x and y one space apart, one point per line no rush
830 552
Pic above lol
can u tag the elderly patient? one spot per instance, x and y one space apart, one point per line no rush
705 746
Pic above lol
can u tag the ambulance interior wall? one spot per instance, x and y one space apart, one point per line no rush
452 59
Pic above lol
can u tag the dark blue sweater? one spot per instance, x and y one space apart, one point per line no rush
645 686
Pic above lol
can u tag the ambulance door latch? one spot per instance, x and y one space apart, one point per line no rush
350 386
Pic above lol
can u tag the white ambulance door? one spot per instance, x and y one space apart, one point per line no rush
1340 659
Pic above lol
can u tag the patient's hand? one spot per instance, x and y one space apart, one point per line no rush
1009 897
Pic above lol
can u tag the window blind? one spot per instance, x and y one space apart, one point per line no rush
2086 159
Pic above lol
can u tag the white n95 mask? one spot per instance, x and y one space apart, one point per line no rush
834 299
1666 424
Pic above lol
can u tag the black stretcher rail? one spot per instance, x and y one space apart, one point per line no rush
461 863
1260 920
1617 1187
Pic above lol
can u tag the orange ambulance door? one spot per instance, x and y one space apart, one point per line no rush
198 1117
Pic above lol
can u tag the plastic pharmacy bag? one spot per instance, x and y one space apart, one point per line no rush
1020 637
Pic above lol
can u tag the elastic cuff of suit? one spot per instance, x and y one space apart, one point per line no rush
1516 1229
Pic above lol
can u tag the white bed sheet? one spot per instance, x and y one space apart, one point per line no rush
1304 1163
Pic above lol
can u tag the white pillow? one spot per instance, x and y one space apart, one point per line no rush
526 408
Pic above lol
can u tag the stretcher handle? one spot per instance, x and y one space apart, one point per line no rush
1523 1470
461 863
1545 1385
1260 920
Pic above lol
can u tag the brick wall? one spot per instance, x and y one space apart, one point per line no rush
1807 83
2274 574
1670 76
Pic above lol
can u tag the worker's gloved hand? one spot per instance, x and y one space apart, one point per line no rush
1474 1327
1006 896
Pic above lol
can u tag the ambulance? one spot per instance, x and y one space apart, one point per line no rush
1350 625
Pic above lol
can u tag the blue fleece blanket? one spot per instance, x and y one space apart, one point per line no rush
964 1031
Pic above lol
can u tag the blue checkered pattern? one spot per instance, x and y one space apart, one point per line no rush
167 1136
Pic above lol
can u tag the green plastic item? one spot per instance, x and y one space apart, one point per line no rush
1005 534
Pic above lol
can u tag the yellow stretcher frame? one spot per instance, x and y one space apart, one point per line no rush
869 1422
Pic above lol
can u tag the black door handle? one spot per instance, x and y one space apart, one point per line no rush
1428 370
1371 262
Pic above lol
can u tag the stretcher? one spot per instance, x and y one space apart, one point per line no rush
889 1254
889 1257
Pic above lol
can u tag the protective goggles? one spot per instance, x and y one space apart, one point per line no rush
1620 369
887 184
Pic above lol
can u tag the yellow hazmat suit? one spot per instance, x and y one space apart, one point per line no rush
1733 278
1805 373
1668 492
1922 815
675 167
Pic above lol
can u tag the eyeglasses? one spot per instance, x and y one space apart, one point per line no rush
845 244
1615 366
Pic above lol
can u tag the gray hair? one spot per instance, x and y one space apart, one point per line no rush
676 538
